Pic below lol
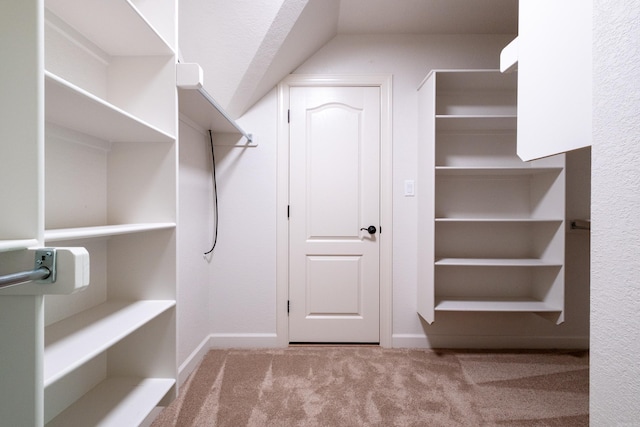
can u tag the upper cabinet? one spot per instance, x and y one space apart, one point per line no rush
553 58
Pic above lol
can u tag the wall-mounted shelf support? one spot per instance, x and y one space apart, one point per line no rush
44 270
199 106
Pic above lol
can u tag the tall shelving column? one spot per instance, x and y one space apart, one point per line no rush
491 236
94 131
21 214
111 161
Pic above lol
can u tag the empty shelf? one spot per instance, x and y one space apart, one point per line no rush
134 36
18 244
493 305
497 220
72 107
102 231
75 340
491 171
115 402
458 123
496 262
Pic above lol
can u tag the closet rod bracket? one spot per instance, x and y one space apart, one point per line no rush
44 270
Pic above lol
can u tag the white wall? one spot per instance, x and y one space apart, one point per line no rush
615 269
243 289
243 298
409 59
194 238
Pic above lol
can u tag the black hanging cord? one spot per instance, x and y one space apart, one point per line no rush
215 193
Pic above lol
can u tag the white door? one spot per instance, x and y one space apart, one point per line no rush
334 188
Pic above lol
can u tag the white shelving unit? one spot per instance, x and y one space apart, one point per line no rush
98 131
491 233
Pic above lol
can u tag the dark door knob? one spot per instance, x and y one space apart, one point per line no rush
370 229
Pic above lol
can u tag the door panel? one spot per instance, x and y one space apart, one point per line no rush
334 147
334 192
329 276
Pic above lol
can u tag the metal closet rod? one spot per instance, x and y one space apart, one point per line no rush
24 276
217 106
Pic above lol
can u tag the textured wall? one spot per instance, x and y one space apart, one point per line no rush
615 276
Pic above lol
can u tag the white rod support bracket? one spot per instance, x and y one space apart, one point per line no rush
44 270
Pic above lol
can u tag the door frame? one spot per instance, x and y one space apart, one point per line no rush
384 82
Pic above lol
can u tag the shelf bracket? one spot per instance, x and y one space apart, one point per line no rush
44 270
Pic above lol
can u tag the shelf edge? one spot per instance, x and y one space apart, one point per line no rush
62 234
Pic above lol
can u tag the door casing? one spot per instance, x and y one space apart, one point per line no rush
384 82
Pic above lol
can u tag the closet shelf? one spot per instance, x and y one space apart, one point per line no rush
135 36
61 234
75 340
18 244
498 220
69 106
494 305
119 401
200 107
496 262
497 171
461 123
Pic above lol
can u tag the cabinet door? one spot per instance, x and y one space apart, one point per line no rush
554 77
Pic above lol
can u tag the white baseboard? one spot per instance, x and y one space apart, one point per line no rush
193 360
488 342
224 341
269 340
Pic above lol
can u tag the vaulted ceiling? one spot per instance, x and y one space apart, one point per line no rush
247 46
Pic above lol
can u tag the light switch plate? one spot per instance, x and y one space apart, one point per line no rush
409 188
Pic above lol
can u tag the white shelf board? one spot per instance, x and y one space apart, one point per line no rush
94 20
493 305
498 220
458 123
73 341
207 114
494 171
495 262
479 80
120 401
18 244
103 231
200 111
71 107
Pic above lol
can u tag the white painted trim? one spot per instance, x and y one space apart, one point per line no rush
194 359
489 342
384 82
233 340
267 340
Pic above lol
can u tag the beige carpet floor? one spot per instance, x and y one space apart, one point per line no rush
371 386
